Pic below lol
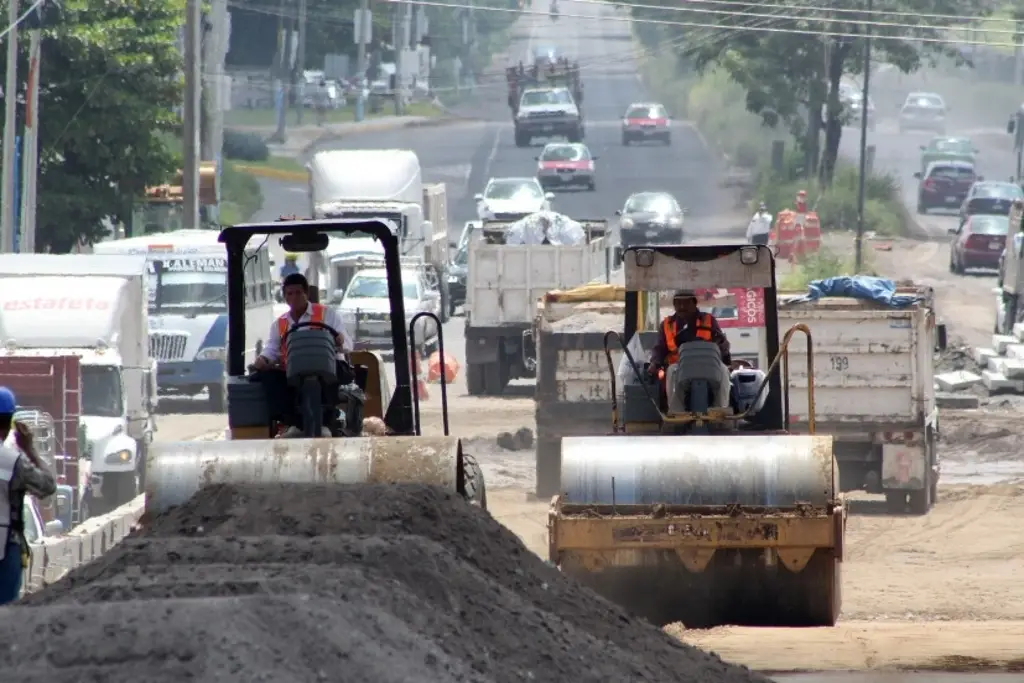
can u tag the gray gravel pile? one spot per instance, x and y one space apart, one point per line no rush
295 583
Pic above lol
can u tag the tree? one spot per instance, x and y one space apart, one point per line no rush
109 85
794 77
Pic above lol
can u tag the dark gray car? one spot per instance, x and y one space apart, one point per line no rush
650 218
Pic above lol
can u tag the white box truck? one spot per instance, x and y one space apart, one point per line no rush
93 307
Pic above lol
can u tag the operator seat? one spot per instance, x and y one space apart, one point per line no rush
699 380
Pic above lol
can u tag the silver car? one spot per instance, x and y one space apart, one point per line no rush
923 111
563 164
366 308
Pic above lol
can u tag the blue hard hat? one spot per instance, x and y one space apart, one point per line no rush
7 402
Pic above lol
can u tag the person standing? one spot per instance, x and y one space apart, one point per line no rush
20 473
760 226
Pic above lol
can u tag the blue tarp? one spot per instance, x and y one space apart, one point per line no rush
875 289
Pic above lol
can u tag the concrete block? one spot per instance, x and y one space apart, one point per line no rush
1018 331
957 401
1015 351
957 381
995 364
1001 341
1013 368
1000 384
981 356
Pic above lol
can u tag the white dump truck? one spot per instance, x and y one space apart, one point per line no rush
874 391
380 183
94 307
503 284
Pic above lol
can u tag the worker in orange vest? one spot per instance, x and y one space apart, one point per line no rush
689 324
270 363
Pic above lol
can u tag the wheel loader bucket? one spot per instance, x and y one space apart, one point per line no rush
704 530
177 470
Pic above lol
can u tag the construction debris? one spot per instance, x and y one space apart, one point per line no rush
301 583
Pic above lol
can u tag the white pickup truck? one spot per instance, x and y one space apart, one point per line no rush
503 285
873 391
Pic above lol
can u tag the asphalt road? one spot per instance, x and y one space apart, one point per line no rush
464 155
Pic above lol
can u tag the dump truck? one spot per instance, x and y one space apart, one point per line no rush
375 434
693 509
503 284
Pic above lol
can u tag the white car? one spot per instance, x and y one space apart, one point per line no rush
511 199
366 308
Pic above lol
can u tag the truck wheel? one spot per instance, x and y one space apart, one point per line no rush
921 500
496 377
625 140
473 482
896 502
475 379
118 489
218 401
576 135
522 140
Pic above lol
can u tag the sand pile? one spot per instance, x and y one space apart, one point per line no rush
292 583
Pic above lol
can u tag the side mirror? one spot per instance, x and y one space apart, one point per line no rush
1011 125
977 151
478 197
536 158
953 231
618 213
452 245
594 158
981 178
923 148
549 195
917 175
54 527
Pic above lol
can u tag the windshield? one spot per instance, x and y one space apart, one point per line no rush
953 146
462 256
101 391
564 153
377 288
990 225
646 112
999 191
535 97
656 203
925 101
177 285
513 189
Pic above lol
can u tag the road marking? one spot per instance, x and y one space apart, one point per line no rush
493 154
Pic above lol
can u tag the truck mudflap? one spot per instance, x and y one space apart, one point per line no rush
704 530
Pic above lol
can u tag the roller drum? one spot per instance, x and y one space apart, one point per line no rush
755 470
176 471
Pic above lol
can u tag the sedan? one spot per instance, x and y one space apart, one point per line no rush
646 122
650 218
944 185
923 111
511 199
990 197
564 164
978 243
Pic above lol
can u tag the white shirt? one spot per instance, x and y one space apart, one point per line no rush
760 224
272 347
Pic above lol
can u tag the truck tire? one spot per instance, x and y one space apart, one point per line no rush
922 501
896 502
496 376
218 402
522 139
475 379
576 135
473 482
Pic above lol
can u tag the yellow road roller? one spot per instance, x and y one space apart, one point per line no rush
340 397
699 507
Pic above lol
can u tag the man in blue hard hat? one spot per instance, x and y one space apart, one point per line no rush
20 473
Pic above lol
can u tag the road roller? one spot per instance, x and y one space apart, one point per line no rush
341 399
696 507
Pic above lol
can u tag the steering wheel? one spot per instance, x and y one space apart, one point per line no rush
310 323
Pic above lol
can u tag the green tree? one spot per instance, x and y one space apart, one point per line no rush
109 83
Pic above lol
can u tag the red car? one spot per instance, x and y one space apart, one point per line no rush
978 243
644 122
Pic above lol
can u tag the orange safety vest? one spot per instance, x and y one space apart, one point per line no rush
704 323
316 315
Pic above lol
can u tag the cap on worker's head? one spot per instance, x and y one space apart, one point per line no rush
7 401
684 294
291 257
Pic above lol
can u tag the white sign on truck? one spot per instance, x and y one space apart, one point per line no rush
93 307
503 285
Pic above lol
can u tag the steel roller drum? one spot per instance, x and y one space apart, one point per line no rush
176 471
765 470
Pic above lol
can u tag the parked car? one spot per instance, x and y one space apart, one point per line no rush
943 148
924 111
512 199
978 243
944 185
566 164
990 197
650 218
646 121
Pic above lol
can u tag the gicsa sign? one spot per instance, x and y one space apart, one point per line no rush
190 265
735 307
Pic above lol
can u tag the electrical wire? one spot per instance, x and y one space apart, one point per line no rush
30 10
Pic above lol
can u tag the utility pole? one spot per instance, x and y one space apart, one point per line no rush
362 31
192 113
281 78
8 177
859 245
30 148
300 101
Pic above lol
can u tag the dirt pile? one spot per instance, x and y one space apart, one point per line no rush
309 583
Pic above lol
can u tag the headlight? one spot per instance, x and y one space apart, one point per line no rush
211 353
453 279
119 458
626 223
675 222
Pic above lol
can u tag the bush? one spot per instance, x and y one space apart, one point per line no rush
819 266
241 146
240 196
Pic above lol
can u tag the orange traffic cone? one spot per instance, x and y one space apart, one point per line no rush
435 366
421 381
